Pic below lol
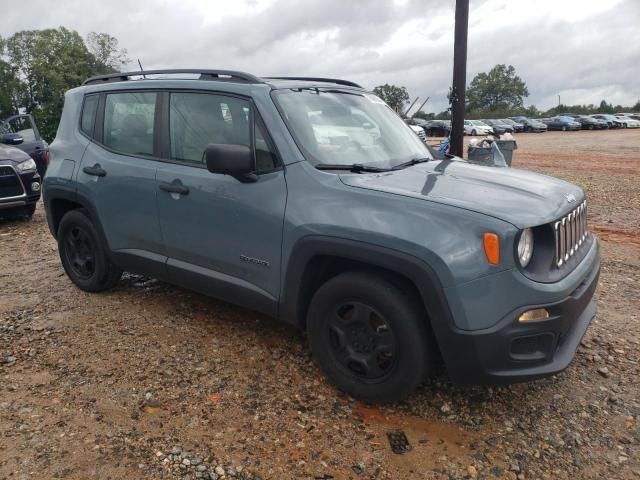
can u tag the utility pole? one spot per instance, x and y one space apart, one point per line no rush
559 101
459 77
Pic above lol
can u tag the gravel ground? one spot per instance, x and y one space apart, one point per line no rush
151 381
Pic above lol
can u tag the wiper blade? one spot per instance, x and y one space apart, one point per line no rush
413 161
354 167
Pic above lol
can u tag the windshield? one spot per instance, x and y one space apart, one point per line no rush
344 128
566 119
478 123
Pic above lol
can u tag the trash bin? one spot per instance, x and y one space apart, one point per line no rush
481 155
507 147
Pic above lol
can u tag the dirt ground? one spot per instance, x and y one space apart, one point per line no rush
151 381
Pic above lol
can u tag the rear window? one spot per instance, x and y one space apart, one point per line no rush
128 122
88 119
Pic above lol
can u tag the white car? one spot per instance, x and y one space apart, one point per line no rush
476 127
419 131
628 122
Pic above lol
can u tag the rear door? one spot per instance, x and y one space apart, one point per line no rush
222 236
118 175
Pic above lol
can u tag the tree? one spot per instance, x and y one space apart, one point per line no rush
605 107
395 97
108 57
47 64
424 115
500 89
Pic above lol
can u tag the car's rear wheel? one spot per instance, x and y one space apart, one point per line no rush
564 128
474 133
83 256
369 337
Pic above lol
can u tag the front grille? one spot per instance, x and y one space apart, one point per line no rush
10 185
570 233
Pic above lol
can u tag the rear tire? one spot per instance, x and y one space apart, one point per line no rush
473 133
564 128
83 256
369 337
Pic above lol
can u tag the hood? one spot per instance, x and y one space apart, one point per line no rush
12 155
520 197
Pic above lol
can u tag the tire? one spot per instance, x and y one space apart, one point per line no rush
354 314
473 133
590 127
564 128
83 255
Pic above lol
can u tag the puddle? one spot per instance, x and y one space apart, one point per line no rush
433 443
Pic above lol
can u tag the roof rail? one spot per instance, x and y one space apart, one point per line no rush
219 75
318 79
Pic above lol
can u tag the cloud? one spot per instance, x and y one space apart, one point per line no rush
582 50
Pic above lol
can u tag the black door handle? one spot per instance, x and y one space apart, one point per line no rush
174 187
96 170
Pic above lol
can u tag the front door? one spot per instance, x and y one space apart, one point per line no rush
222 236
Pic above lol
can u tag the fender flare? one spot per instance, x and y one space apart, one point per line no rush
292 309
57 192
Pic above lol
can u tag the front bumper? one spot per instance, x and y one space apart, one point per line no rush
16 188
510 351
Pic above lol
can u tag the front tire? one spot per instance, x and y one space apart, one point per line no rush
369 337
83 256
564 128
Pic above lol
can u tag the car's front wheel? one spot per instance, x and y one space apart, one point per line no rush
83 256
370 337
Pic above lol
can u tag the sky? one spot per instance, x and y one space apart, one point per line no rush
584 51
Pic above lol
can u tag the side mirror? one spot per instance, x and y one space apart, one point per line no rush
11 139
234 160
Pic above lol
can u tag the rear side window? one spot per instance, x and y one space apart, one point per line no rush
198 119
88 119
128 122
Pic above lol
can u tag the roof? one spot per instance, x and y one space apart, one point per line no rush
218 76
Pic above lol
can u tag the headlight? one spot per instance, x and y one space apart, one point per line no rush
525 247
26 165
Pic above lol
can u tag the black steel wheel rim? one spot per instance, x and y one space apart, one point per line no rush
361 340
79 250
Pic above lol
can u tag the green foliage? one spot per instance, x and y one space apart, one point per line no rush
38 66
500 89
424 115
395 97
108 57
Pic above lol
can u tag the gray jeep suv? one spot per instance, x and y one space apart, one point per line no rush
310 200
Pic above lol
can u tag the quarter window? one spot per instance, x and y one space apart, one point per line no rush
89 114
128 122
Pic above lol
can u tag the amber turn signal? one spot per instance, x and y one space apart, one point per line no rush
492 248
535 315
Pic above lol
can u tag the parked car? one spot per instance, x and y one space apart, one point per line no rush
21 131
386 256
438 128
476 127
611 120
19 183
518 127
530 125
562 123
419 131
589 123
498 126
628 122
634 116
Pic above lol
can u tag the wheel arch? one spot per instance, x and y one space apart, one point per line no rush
59 201
316 259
